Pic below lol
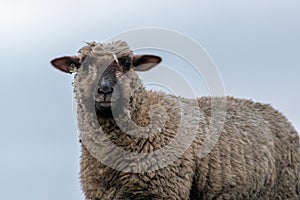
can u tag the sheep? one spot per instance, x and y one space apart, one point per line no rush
123 126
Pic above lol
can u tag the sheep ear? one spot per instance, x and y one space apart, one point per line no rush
68 64
145 62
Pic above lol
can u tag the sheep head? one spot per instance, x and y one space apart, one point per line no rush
105 75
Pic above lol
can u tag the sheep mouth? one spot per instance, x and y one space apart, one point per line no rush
103 106
104 100
104 103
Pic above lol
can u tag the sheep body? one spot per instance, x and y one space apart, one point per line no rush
244 164
257 155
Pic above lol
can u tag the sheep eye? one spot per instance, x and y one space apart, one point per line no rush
125 63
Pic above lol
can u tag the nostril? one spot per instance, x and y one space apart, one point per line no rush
99 91
105 90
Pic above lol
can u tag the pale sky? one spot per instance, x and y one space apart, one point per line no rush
254 44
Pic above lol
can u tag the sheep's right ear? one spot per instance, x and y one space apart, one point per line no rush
68 64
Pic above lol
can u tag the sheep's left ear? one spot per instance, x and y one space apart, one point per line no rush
145 62
68 64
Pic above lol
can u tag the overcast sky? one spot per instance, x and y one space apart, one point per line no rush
254 44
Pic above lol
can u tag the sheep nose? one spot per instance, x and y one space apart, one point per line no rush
105 88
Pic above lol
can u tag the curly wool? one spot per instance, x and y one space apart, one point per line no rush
119 48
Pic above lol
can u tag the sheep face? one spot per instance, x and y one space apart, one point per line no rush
115 80
105 75
108 94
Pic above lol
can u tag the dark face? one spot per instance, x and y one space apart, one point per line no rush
108 93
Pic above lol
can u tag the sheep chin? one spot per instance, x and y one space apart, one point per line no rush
109 109
103 111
